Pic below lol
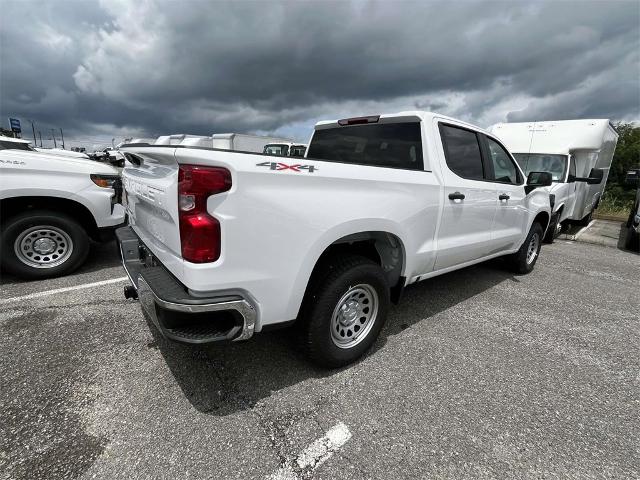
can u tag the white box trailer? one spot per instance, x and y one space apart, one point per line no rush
243 142
578 153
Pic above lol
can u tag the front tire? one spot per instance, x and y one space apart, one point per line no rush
42 244
554 228
525 259
344 311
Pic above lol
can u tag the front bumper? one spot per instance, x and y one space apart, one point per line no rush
177 314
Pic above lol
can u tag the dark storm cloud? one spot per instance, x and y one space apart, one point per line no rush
160 67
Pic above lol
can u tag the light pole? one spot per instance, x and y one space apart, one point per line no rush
35 143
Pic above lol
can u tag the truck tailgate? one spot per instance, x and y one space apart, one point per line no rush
151 193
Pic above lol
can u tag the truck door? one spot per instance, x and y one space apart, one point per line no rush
469 201
510 220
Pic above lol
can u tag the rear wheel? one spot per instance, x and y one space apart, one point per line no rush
586 220
42 244
525 259
344 311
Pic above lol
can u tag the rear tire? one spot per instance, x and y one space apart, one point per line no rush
42 244
525 259
344 310
586 220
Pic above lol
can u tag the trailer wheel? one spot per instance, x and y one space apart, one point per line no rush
344 311
525 259
42 244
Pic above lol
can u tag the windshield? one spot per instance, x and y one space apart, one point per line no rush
279 149
4 145
395 145
543 162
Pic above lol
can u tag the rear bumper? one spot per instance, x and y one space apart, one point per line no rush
177 314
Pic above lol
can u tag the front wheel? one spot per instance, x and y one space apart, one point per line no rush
525 259
554 229
344 311
42 244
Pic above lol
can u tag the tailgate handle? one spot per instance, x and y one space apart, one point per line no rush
456 196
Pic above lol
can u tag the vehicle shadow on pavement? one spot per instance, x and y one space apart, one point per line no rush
223 379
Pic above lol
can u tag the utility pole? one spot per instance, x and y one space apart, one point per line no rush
62 135
35 143
55 145
40 135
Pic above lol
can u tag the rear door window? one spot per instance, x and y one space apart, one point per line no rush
462 152
394 145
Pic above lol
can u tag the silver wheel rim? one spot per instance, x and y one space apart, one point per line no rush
532 250
354 316
43 246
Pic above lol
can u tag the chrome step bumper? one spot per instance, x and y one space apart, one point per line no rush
178 315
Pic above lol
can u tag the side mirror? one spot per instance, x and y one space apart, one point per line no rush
538 179
595 176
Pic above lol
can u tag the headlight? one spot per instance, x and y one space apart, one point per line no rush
105 181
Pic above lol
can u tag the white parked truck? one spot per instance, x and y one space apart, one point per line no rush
225 244
577 153
50 206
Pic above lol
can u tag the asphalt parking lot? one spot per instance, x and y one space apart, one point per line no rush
478 373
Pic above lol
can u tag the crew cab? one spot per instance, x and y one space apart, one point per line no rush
50 208
224 244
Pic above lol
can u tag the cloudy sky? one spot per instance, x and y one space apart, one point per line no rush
103 69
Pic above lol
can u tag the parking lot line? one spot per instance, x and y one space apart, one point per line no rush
62 290
316 453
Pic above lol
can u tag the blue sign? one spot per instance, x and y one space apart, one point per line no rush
15 125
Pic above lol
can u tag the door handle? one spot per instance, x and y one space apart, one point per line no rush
503 196
456 196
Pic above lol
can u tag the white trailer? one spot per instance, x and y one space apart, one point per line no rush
578 153
244 143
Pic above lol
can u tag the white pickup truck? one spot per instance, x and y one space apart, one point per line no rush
50 206
223 244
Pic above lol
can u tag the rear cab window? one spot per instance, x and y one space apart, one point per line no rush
392 145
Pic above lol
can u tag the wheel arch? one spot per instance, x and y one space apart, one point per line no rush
12 206
381 246
543 219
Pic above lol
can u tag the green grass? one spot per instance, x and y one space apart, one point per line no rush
616 201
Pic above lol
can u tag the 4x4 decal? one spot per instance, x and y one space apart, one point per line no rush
283 166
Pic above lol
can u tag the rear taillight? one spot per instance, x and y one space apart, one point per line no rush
199 231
